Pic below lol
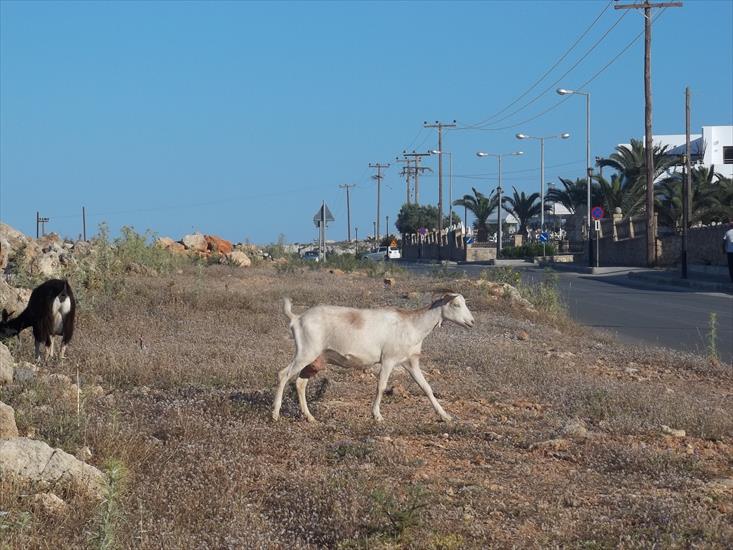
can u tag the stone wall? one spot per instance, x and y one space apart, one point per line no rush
448 246
704 247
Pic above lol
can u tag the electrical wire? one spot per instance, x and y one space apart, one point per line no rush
548 71
583 85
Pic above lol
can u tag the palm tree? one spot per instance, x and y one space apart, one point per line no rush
481 206
630 163
712 198
523 207
574 195
621 193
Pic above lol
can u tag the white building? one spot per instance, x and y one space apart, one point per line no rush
712 148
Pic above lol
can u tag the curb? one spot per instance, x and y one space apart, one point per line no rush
709 286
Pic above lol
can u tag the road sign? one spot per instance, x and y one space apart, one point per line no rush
597 213
319 216
393 244
423 231
544 237
598 225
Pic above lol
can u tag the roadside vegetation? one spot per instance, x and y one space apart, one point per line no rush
563 438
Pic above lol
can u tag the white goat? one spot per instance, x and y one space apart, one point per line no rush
351 337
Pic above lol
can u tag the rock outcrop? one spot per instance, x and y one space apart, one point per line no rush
7 366
34 461
8 428
217 245
240 259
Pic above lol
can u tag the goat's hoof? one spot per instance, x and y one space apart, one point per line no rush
446 418
275 417
311 420
378 418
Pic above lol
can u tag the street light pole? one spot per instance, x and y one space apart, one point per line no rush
498 191
542 139
588 167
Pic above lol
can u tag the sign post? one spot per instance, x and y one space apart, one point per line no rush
544 237
320 219
597 214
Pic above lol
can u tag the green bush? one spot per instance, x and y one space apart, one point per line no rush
527 251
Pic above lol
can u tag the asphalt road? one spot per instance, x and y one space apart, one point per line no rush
637 312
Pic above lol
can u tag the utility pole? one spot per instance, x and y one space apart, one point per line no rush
416 170
356 244
41 223
84 222
378 177
348 206
386 228
686 185
649 144
406 172
440 126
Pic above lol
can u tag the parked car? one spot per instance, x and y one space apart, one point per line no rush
383 253
312 256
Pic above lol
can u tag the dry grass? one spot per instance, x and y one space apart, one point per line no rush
188 362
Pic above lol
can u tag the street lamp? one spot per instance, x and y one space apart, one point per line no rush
588 167
450 183
499 190
542 169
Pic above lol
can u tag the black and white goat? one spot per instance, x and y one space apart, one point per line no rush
50 312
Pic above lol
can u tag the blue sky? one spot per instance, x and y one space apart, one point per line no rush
238 118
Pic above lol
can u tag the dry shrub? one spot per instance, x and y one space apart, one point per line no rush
188 362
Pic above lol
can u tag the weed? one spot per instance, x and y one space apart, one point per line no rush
502 274
713 336
403 514
109 513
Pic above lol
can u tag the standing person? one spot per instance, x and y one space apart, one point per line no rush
728 249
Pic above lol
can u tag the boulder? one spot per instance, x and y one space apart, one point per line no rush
13 299
8 427
195 242
34 461
7 366
240 259
10 241
218 245
24 372
49 504
506 291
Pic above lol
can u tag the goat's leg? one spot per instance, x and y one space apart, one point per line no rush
293 369
418 377
300 384
62 352
37 352
381 385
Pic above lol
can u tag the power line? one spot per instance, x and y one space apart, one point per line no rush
583 85
566 73
548 71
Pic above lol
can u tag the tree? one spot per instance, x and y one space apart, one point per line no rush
481 206
630 163
412 217
523 207
573 195
621 193
712 198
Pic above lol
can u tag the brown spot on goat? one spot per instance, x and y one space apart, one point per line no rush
311 370
354 319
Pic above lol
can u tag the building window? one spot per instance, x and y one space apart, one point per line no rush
728 155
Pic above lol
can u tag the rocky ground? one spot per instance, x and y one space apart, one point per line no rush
562 437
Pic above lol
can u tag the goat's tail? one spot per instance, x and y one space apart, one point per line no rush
288 308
